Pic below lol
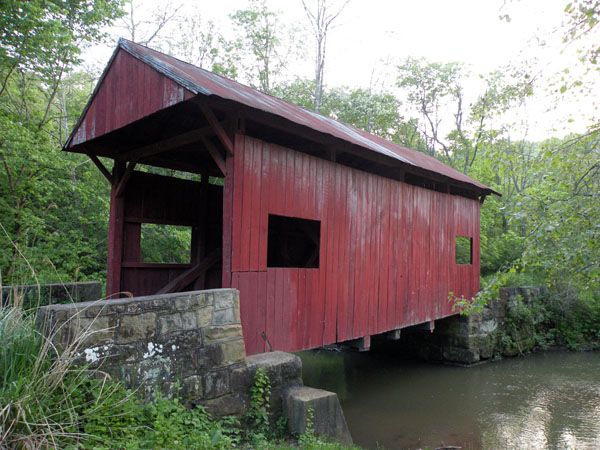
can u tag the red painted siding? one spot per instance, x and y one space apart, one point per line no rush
129 91
386 251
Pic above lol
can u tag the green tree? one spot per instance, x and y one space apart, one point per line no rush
454 130
260 37
49 201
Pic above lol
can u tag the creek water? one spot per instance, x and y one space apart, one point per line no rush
541 401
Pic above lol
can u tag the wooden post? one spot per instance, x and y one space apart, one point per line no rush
228 187
201 228
115 233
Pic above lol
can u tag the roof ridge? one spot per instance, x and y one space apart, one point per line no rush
202 81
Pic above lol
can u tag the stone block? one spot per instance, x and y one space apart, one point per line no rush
461 355
204 317
327 415
241 379
216 383
223 317
227 405
214 355
191 389
215 333
136 327
223 298
233 351
487 346
272 360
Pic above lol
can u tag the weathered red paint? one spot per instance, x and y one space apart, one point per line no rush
387 247
387 250
126 92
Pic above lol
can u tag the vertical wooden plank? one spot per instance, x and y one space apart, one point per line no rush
342 258
246 234
229 237
270 315
289 179
291 317
383 318
301 316
476 245
372 262
261 310
115 236
266 186
360 301
131 241
280 299
237 183
352 205
330 281
254 212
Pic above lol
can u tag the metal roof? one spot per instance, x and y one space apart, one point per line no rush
201 81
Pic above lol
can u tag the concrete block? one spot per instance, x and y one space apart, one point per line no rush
327 415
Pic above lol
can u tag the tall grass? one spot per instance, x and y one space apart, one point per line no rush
41 401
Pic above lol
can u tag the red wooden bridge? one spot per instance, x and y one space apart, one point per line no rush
330 234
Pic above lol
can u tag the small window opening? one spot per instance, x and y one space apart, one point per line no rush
167 244
293 242
464 250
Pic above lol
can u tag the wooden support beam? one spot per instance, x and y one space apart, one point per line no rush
362 344
101 167
216 156
192 273
217 127
425 326
393 335
166 144
125 179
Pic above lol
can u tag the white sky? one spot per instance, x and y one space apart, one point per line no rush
370 32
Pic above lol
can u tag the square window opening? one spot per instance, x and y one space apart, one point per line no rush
166 244
464 250
293 242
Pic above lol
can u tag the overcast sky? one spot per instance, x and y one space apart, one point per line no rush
370 33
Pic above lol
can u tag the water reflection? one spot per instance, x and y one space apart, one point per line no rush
549 400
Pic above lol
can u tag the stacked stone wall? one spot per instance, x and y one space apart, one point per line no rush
185 344
474 338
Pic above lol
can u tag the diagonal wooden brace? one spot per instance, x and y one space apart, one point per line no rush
216 156
125 179
101 167
217 127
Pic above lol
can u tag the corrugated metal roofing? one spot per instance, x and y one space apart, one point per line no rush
200 81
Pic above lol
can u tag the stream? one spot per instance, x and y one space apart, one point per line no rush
547 400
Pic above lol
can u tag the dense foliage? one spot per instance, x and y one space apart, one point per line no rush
54 206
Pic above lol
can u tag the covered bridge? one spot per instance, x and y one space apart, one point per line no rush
330 233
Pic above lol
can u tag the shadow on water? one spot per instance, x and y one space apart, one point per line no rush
547 400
